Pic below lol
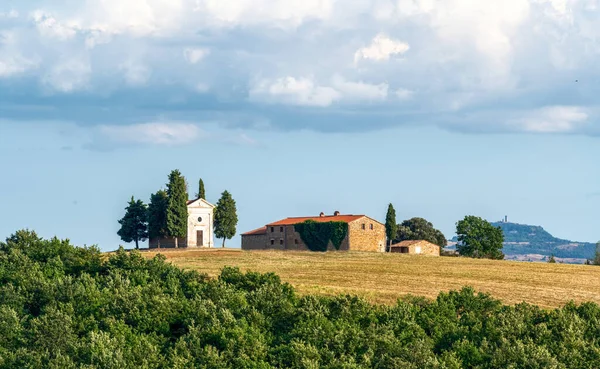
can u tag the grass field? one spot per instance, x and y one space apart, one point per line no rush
383 278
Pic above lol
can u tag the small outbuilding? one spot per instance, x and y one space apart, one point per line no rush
416 247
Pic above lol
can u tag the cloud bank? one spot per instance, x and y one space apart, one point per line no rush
512 66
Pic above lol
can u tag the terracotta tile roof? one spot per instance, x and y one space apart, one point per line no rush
320 219
258 231
408 243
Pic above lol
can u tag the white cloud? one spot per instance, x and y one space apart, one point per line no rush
289 90
283 13
552 119
463 55
135 74
168 134
404 94
11 65
381 48
194 55
48 26
138 17
69 76
305 91
360 91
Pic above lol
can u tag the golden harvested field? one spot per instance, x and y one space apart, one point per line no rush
383 278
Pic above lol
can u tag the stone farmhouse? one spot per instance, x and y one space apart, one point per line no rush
416 247
364 234
200 228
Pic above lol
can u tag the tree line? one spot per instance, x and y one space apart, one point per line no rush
477 237
166 216
64 307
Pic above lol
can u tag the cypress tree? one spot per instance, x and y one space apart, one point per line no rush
201 193
177 214
391 227
134 224
225 217
597 254
157 215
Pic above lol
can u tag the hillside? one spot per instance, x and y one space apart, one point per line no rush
525 242
383 278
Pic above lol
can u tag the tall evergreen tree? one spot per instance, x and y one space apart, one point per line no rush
177 214
390 224
596 260
134 224
201 193
157 215
225 217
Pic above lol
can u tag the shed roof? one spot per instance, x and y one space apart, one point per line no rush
256 232
321 219
410 243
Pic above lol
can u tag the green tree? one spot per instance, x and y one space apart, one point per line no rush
201 192
596 260
157 215
134 224
420 229
177 213
552 260
391 227
225 217
477 238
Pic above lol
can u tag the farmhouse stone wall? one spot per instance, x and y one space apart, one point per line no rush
416 248
254 242
284 237
366 234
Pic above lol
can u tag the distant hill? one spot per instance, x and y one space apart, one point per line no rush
523 239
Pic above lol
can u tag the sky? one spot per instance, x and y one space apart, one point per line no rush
445 108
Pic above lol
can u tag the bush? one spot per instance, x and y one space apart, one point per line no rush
68 307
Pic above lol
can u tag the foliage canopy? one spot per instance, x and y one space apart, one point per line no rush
134 224
157 214
177 214
201 194
391 227
225 217
316 235
420 229
478 238
68 307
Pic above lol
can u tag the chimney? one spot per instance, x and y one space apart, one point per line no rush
336 213
322 214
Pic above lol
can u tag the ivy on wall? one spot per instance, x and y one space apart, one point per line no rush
316 235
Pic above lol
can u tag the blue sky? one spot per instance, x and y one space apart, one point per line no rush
444 108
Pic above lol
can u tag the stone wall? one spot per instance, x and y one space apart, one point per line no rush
366 234
371 238
419 248
254 242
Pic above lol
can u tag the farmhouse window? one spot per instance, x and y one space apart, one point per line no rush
272 241
281 241
272 229
280 229
296 241
371 226
364 226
